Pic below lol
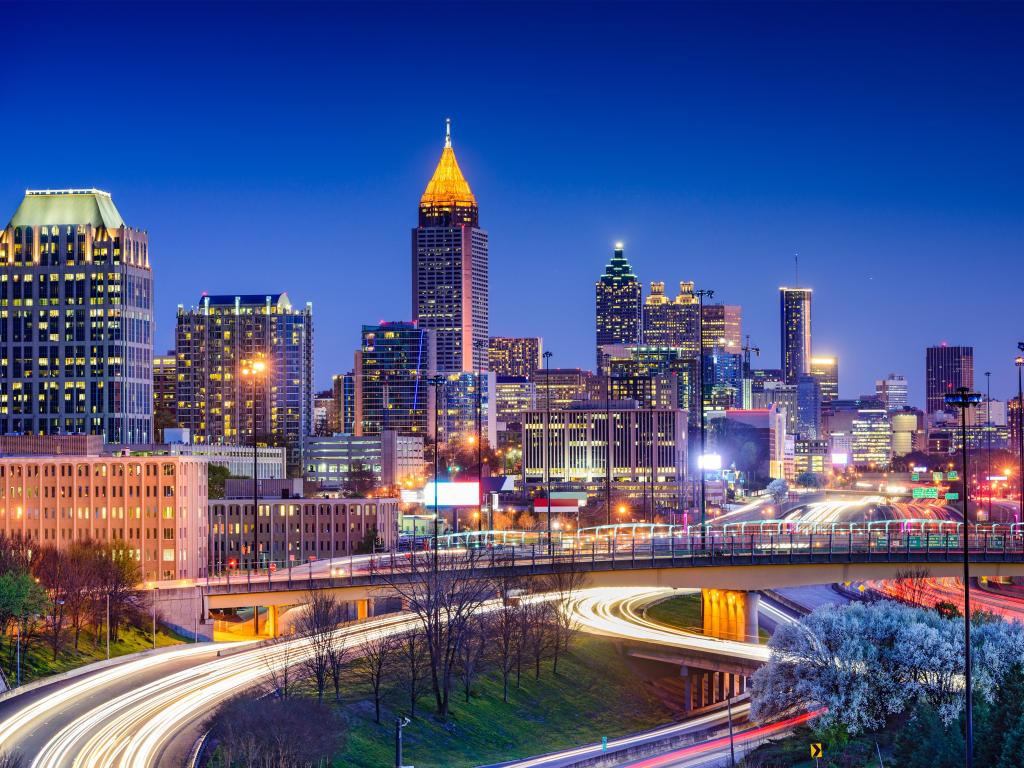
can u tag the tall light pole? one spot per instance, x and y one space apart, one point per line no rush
1020 428
481 347
547 442
608 446
964 399
988 437
701 294
437 382
253 370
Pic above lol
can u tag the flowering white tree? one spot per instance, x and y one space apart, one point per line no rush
865 663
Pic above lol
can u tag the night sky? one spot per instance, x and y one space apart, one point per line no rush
285 147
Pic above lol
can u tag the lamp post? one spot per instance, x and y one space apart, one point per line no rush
253 370
701 294
481 347
437 382
608 445
964 399
547 442
988 437
1020 428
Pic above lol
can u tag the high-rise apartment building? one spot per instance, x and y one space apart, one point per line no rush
893 391
510 356
391 388
165 393
825 368
76 319
672 322
617 303
344 386
723 327
946 369
808 407
871 438
450 283
215 343
795 314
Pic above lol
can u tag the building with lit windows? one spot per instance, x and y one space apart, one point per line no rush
214 344
560 387
825 368
893 391
617 304
344 387
390 384
76 319
460 408
808 407
514 396
648 450
946 370
450 283
165 393
811 456
508 356
723 327
871 438
795 316
154 506
907 431
332 461
672 322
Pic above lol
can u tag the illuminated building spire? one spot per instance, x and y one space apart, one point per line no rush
448 194
448 133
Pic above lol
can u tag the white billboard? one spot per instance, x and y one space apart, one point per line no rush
452 494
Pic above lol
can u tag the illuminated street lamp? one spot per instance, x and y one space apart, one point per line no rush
963 399
1020 428
547 442
437 382
254 369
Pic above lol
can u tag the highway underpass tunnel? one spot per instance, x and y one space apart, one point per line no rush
730 614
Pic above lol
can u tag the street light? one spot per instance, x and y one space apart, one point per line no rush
481 347
988 436
700 398
547 442
964 399
253 370
437 382
1020 428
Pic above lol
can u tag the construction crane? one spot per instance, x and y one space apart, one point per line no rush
747 349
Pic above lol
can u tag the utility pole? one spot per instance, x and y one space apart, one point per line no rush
400 723
732 746
437 382
1019 361
701 295
480 346
547 443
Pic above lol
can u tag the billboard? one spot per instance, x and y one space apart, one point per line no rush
451 494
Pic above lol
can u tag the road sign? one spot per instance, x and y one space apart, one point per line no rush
951 475
817 751
925 493
273 567
914 542
937 477
916 477
952 496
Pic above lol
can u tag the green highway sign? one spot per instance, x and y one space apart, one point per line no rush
951 475
916 477
952 496
937 477
925 493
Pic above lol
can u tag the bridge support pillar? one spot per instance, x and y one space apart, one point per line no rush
730 615
272 628
362 609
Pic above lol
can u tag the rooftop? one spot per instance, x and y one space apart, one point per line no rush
447 187
61 207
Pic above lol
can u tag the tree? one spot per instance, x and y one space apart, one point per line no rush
53 570
778 489
374 660
472 651
412 647
216 480
318 622
368 543
912 584
507 626
117 575
563 585
811 480
536 632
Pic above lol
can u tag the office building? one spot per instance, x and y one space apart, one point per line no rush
946 370
325 414
216 342
672 322
297 530
795 315
617 303
785 397
810 455
560 387
271 462
390 386
825 368
514 396
450 282
154 506
723 327
808 407
464 399
907 431
520 357
344 387
76 319
648 450
871 439
655 377
893 392
723 378
753 441
165 393
333 462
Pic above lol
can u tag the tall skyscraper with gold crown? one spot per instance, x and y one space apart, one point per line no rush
450 284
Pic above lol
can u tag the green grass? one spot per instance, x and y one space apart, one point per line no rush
37 660
684 612
596 693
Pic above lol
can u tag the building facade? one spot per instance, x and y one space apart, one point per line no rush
333 461
215 343
76 319
344 387
871 438
795 315
391 388
825 368
893 391
165 393
946 370
508 356
672 322
152 506
450 282
723 327
617 303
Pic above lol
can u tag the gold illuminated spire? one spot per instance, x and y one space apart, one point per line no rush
447 187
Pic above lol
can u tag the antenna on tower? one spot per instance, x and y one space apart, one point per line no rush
448 132
796 267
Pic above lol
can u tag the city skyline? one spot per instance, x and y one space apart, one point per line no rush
901 224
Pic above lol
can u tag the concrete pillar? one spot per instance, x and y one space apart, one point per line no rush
362 609
272 628
752 626
685 673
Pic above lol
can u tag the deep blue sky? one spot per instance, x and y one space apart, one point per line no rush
284 147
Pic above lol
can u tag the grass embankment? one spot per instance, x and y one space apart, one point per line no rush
683 612
37 660
596 693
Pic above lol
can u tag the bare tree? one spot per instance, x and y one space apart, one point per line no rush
507 626
443 597
52 569
912 584
472 651
563 585
375 658
412 647
536 632
318 622
280 657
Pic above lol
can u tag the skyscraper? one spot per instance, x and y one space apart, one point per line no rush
808 406
214 343
795 306
723 327
671 322
893 391
946 369
391 371
165 393
519 357
76 328
618 306
825 368
450 284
